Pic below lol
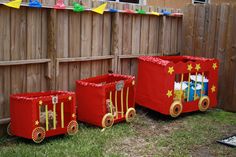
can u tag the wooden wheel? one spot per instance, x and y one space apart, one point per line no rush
130 114
176 109
9 132
107 120
38 134
204 103
72 127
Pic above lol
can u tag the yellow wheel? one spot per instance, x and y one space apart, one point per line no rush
130 114
72 127
176 109
38 134
204 103
107 120
9 130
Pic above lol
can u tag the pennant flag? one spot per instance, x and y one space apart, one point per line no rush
14 4
35 4
100 9
78 7
60 5
113 10
140 11
165 12
177 14
129 11
155 13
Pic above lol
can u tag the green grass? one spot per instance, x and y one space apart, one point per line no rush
150 134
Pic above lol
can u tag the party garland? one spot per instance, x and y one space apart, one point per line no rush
81 8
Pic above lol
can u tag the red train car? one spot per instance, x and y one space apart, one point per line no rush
107 99
177 84
43 114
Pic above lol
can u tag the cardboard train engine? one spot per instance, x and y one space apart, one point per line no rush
177 84
39 115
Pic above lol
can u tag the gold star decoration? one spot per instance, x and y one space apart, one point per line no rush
40 102
198 67
70 98
73 115
36 122
169 93
171 70
213 89
190 67
214 66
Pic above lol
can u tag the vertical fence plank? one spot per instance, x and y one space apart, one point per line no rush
18 49
97 36
144 32
5 76
86 35
127 40
34 49
74 48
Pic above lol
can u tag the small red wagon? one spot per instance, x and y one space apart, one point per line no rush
107 99
177 84
43 114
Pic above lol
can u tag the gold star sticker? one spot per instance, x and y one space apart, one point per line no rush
190 67
169 93
171 70
214 66
73 115
70 98
213 89
36 122
198 67
40 102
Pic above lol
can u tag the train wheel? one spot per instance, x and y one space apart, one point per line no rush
9 132
176 109
107 120
72 127
204 103
130 114
38 134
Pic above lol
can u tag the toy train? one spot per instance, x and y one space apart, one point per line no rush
169 85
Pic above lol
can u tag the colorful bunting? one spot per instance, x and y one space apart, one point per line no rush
78 7
60 5
140 11
155 13
100 9
14 4
35 4
113 10
129 11
177 14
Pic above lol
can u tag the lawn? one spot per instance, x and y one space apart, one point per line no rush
151 134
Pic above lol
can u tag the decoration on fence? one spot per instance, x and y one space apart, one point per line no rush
78 7
155 13
140 11
35 4
113 10
60 5
100 9
14 4
165 12
129 11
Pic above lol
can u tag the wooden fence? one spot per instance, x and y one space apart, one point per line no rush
44 49
209 30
